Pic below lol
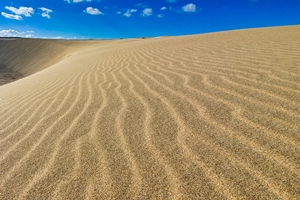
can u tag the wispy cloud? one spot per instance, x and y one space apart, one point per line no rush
93 11
189 8
160 15
58 37
10 16
77 1
46 12
129 12
14 33
147 12
26 11
163 8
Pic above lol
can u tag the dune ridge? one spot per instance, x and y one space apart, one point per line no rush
212 116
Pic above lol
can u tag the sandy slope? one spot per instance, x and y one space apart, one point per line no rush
213 116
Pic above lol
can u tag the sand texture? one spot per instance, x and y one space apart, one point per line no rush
213 116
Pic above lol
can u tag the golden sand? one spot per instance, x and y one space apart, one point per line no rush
213 116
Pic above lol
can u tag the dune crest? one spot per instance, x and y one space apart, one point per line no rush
213 116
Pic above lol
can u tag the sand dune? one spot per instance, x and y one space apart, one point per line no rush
213 116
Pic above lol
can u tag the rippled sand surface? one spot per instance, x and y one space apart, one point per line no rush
213 116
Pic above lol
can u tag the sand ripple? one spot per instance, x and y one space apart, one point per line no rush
212 116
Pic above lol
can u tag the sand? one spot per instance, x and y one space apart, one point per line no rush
212 116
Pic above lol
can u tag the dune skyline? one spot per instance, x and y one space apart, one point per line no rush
209 116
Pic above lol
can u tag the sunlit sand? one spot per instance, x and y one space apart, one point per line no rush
212 116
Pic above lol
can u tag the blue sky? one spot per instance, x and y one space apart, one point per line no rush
140 18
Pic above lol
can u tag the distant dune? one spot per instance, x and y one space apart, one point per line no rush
213 116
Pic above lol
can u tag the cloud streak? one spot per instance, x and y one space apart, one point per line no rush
10 16
26 11
14 33
77 1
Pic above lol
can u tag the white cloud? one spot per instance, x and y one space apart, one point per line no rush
14 33
189 8
58 37
129 12
46 12
26 11
46 15
119 13
133 10
54 38
163 8
10 16
29 36
160 15
93 11
72 38
147 12
77 1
